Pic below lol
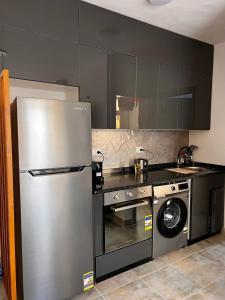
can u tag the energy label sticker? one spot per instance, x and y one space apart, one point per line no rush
88 279
148 222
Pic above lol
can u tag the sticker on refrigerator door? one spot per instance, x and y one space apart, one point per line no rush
88 281
148 222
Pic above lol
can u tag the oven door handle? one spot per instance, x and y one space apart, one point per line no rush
142 203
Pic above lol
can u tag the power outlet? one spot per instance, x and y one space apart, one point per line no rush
139 149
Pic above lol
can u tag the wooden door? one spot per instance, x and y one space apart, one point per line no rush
7 230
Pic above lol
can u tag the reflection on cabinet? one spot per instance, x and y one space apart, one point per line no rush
94 83
146 92
124 109
39 58
52 18
176 97
103 28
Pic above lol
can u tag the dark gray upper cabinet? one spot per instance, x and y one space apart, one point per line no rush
146 92
123 107
135 75
94 83
203 70
53 18
39 58
102 28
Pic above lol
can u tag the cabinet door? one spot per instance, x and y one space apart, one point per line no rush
94 83
106 29
146 95
217 210
167 98
124 109
200 207
52 18
207 208
35 57
203 68
98 203
186 98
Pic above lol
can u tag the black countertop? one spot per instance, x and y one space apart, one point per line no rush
155 176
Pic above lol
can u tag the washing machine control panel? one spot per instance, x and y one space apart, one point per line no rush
163 191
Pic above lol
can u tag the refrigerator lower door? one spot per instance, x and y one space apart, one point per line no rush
56 230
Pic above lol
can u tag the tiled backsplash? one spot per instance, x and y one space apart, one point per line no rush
118 146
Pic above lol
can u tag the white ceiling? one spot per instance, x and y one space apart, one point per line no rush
200 19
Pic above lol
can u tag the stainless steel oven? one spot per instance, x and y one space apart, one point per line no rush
127 217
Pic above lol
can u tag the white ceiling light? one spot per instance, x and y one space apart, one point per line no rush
159 2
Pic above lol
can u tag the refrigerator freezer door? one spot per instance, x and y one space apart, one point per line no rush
53 133
56 226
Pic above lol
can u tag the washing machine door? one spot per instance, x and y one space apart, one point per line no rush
172 217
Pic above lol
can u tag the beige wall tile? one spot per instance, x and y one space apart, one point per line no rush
118 146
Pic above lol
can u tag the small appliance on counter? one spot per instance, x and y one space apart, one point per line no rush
141 165
97 175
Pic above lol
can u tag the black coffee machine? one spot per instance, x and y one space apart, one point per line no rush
97 173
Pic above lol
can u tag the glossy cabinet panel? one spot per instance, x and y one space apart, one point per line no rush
124 109
39 58
203 71
207 197
167 101
146 93
94 83
103 28
135 75
52 18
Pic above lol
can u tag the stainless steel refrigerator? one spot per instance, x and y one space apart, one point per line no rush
53 198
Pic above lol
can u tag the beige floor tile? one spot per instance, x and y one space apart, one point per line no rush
149 267
200 269
177 255
215 253
136 290
171 284
92 295
215 291
115 282
195 248
198 296
218 238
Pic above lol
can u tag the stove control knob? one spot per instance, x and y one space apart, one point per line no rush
142 192
129 194
116 197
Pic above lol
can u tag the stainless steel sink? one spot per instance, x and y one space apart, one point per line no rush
194 168
183 170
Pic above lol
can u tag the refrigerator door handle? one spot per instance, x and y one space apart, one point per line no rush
44 172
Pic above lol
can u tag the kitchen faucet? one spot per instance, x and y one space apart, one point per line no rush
185 155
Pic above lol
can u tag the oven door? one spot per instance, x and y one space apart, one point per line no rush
127 223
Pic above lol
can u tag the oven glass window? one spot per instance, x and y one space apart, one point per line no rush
127 223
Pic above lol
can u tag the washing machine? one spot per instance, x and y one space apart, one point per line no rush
171 217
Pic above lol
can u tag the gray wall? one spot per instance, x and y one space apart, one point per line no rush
119 146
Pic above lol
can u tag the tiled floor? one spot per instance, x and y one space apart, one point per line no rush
196 272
